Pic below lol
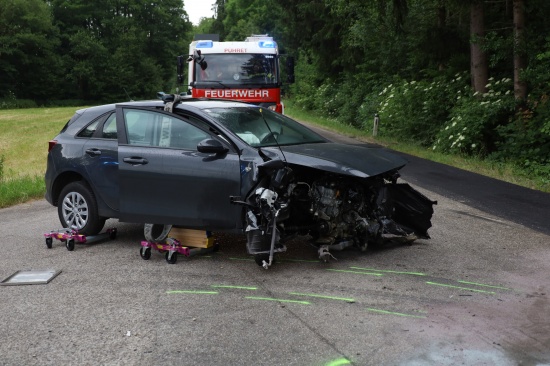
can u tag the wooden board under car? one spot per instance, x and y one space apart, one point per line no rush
192 238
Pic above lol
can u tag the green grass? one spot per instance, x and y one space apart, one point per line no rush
20 190
24 136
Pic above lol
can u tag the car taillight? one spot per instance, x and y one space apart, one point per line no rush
51 144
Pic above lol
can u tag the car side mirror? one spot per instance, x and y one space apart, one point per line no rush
211 146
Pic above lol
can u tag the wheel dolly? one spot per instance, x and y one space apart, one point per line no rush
171 248
70 236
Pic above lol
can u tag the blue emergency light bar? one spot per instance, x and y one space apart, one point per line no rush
205 44
267 44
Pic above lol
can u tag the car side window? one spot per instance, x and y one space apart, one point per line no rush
89 130
147 128
109 128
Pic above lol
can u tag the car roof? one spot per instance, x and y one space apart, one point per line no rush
199 103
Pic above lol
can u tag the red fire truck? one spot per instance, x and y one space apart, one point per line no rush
247 71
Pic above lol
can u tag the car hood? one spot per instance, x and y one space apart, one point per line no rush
361 161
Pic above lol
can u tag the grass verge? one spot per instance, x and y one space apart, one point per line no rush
20 190
24 136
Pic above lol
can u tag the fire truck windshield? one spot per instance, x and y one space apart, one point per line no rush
238 70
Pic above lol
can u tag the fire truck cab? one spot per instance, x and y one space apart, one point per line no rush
246 71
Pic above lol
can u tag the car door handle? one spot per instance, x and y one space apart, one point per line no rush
93 152
135 160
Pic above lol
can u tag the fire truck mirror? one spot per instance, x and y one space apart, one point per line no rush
203 64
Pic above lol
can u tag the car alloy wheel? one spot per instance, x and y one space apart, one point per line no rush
77 209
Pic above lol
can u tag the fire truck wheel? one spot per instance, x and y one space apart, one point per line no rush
77 209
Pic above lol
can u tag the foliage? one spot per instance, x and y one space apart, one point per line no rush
28 42
415 110
15 191
474 121
10 101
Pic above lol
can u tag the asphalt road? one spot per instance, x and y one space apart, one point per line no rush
477 293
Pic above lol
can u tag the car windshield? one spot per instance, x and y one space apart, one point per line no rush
261 127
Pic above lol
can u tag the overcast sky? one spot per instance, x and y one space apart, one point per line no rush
197 9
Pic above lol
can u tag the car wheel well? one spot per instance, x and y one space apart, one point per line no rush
62 180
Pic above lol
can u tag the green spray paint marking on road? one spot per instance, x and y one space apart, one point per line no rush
279 300
299 260
484 285
192 292
339 362
388 271
363 273
323 296
235 287
394 313
460 288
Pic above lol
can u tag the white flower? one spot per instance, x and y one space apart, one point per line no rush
450 137
473 146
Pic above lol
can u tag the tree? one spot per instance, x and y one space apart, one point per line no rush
520 62
29 67
478 58
116 49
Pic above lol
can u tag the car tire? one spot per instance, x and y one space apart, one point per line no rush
77 209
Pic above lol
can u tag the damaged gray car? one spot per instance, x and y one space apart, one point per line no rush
228 166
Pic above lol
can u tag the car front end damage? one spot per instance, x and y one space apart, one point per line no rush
336 210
